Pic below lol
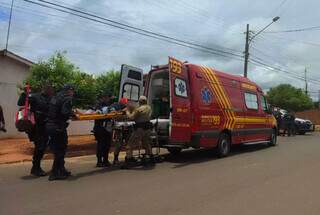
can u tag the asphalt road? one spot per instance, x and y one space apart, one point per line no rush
254 180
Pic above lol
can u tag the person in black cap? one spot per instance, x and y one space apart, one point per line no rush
39 105
102 134
60 111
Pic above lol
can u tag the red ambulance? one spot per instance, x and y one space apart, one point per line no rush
197 106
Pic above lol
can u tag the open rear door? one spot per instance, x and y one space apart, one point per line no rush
131 83
180 117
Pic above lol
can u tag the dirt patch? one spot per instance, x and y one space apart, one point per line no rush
18 150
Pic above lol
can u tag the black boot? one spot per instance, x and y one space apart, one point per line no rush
106 162
116 161
99 162
129 162
58 171
37 171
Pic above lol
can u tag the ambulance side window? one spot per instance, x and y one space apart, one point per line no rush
180 88
251 100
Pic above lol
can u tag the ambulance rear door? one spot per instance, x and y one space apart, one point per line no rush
131 83
180 116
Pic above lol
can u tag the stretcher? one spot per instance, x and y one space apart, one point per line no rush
94 116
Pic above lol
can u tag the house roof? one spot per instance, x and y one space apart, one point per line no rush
13 56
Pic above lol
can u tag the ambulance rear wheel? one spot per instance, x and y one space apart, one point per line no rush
224 145
174 151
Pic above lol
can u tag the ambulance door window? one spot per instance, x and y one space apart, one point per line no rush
130 91
180 87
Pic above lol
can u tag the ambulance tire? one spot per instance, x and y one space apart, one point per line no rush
174 150
273 138
224 145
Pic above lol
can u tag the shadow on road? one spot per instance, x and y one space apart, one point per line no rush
190 157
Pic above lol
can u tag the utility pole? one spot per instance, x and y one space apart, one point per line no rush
249 40
246 53
306 81
9 26
319 99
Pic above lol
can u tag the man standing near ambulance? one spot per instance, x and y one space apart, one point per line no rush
142 130
39 105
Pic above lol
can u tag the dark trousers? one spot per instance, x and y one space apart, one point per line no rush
58 142
40 138
104 139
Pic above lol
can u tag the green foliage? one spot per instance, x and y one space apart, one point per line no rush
109 82
58 71
290 98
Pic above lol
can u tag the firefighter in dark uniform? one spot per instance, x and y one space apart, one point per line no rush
39 105
289 125
60 111
101 132
142 131
292 128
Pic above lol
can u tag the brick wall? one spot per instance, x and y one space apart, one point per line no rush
313 115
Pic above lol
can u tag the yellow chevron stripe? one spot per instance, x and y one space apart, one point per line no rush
227 100
212 87
219 95
224 96
216 83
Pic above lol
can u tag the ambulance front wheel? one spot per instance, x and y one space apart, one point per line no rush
273 138
224 145
174 150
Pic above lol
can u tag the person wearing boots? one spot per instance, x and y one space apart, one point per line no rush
101 132
60 111
142 131
39 105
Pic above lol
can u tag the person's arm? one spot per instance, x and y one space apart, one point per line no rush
66 109
22 99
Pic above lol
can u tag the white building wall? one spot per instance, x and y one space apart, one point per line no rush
12 73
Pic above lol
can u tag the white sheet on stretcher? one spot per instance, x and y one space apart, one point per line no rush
162 123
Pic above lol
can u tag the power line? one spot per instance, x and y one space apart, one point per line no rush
266 66
130 28
313 28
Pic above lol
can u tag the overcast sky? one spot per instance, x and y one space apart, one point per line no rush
38 32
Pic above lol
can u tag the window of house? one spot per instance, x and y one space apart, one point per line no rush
251 100
180 87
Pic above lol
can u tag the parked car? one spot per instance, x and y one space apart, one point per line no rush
303 125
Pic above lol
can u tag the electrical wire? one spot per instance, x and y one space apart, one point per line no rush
129 28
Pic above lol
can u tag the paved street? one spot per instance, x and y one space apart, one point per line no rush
253 180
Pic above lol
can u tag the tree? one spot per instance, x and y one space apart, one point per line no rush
59 71
109 82
290 98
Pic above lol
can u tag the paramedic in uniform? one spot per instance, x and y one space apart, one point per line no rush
142 129
39 105
60 111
